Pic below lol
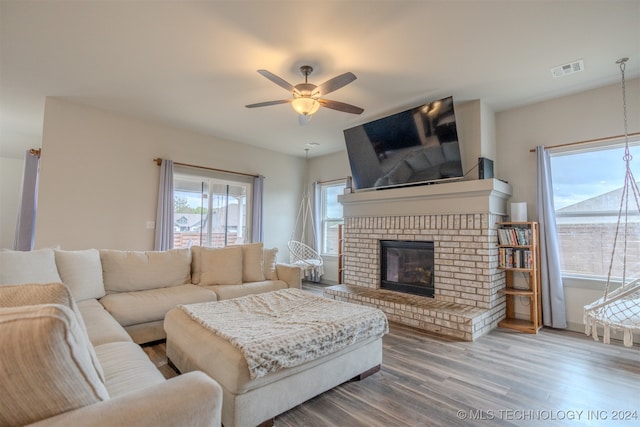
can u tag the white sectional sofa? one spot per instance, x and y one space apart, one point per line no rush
119 299
137 288
141 287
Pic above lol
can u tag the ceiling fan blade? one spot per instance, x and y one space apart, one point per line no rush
335 83
277 80
267 103
340 106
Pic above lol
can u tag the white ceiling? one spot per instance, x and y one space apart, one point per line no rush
192 64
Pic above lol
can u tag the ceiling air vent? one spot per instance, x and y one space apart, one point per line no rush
566 69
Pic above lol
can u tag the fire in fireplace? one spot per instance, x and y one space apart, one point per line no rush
407 266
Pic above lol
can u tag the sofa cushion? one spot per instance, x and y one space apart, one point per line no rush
49 293
126 271
81 271
257 263
269 259
127 368
221 266
252 262
102 328
212 264
37 266
46 366
142 333
131 308
227 292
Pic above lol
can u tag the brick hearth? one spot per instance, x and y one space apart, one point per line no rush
460 219
456 320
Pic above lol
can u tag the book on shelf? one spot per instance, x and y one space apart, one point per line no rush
514 258
514 236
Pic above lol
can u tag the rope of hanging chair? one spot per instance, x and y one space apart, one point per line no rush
301 254
619 310
624 207
304 211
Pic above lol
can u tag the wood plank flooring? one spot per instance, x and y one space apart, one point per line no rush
555 378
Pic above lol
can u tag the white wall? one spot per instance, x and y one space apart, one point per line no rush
475 122
99 183
10 186
588 115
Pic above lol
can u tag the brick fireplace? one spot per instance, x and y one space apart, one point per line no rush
459 218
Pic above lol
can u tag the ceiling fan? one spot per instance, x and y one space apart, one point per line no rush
306 97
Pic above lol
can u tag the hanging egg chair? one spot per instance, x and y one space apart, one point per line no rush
619 309
300 253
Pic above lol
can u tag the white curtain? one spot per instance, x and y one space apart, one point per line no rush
26 224
553 306
317 216
257 234
164 213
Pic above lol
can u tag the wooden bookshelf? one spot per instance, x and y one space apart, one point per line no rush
519 253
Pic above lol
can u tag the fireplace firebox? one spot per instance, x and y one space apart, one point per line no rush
407 266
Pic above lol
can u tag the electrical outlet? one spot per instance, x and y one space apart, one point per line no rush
151 225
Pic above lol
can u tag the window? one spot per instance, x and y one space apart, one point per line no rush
587 189
210 208
330 216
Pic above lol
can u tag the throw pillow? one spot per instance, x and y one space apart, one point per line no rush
49 293
126 271
81 271
47 368
37 266
252 263
221 266
270 259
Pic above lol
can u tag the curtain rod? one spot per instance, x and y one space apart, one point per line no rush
159 162
569 144
35 151
332 180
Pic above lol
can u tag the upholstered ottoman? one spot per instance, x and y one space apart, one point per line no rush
270 352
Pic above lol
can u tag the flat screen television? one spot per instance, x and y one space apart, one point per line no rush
416 146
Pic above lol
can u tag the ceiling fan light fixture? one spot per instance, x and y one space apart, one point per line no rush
305 105
307 97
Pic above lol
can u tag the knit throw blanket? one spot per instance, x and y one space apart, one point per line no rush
289 327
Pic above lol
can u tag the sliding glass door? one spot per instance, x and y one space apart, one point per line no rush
210 211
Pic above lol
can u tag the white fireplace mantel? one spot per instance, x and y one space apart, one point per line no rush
460 197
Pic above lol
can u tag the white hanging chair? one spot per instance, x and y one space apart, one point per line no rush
619 310
301 254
